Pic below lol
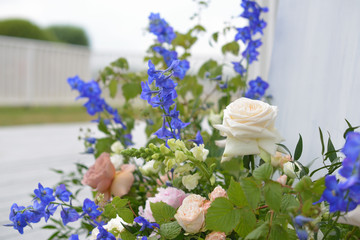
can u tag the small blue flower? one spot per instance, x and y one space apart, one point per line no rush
239 68
90 89
181 69
61 193
251 53
19 217
74 237
352 145
50 210
90 140
302 234
259 86
161 28
145 224
44 194
104 235
301 220
94 105
198 139
37 212
69 215
76 83
163 132
91 209
243 34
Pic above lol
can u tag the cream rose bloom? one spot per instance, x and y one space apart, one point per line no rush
191 214
249 126
216 236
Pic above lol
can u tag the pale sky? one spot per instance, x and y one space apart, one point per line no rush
118 25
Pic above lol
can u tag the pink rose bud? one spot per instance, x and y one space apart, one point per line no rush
282 180
191 215
101 174
216 236
206 205
217 192
123 180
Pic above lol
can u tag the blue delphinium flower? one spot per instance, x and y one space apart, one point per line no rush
345 195
94 105
49 211
161 28
198 139
44 194
91 209
74 237
145 223
69 215
300 220
19 217
61 193
90 140
243 34
181 69
256 88
76 83
239 68
302 234
104 235
37 212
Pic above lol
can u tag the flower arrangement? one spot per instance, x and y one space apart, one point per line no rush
190 182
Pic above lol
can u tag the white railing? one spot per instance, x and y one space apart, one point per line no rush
35 72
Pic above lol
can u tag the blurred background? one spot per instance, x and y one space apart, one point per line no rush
310 57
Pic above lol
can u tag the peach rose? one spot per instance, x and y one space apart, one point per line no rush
123 180
216 236
191 214
101 174
282 180
217 192
206 205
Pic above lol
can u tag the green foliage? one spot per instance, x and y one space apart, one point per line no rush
221 216
231 47
170 230
24 29
103 145
69 34
298 149
162 212
263 172
252 191
259 232
131 90
236 194
273 195
117 207
247 222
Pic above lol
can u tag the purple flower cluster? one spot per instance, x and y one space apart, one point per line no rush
256 88
44 206
161 28
345 195
170 56
163 96
95 104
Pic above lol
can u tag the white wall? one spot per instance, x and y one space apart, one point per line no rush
315 70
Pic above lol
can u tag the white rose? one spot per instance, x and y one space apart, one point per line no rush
199 152
148 168
117 160
289 169
191 181
113 224
249 126
191 215
117 147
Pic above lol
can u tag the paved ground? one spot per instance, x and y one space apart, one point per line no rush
26 155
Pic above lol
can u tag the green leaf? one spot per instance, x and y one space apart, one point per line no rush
131 90
121 63
118 202
126 214
170 230
247 222
215 36
322 141
252 191
263 172
349 129
236 194
298 149
113 88
126 235
331 152
221 216
288 203
232 47
273 195
162 212
259 232
102 127
285 148
103 145
207 67
278 232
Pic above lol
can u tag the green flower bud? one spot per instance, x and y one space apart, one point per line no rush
180 156
164 150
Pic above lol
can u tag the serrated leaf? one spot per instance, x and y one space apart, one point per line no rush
170 230
162 212
126 214
103 145
231 47
221 216
263 172
247 222
131 90
125 235
208 66
298 149
113 88
259 232
118 202
252 191
236 194
273 195
278 232
289 202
